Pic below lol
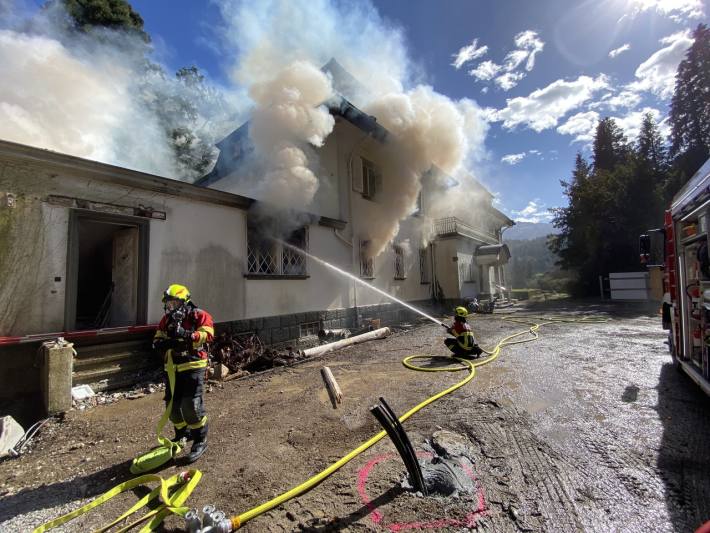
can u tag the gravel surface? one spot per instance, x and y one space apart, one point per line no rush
589 428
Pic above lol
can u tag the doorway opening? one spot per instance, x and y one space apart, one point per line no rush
107 272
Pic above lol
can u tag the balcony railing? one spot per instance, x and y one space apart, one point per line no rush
445 227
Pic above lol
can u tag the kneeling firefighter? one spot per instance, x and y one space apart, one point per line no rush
464 344
182 338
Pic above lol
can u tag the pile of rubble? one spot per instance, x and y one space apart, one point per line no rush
83 397
239 355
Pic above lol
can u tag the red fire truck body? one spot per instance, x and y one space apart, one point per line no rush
686 277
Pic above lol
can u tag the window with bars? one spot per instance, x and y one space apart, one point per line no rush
424 276
399 270
367 263
309 329
270 257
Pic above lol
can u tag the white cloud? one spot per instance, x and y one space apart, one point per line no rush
485 71
468 53
618 51
528 40
581 126
625 99
484 90
533 212
513 159
509 80
543 108
677 10
657 73
630 123
514 59
516 63
622 100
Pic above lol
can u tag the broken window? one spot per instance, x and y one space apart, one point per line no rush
293 260
367 263
399 272
268 256
371 180
424 265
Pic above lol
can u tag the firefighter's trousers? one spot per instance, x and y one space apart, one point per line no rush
188 409
458 351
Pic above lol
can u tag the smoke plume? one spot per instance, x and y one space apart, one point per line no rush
96 96
425 127
288 118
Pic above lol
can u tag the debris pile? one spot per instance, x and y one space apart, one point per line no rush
243 354
103 398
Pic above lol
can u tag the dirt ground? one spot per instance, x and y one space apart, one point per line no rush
589 428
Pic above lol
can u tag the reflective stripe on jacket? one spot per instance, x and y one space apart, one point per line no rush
199 321
464 335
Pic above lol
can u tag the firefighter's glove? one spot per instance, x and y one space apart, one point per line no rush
449 331
182 333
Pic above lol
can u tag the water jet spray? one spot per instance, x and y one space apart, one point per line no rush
361 282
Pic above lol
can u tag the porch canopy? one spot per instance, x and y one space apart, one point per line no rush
492 254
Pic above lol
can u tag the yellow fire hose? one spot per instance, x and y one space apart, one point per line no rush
181 485
239 520
186 481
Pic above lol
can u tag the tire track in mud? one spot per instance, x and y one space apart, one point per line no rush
524 478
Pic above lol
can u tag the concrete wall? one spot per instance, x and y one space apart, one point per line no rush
201 245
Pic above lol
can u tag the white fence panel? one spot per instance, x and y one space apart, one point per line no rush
629 285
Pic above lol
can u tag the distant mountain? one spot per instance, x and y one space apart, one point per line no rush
525 231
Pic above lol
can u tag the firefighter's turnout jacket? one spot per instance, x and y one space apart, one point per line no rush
187 359
464 335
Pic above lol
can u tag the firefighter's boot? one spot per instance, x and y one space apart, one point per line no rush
199 446
180 434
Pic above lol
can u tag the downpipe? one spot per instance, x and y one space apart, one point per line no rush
325 348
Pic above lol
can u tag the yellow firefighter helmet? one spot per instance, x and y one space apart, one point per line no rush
462 312
176 292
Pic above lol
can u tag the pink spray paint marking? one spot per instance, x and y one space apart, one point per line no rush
377 517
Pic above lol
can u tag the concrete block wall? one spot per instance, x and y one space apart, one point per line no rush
280 329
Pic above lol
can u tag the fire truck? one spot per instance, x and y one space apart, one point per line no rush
680 250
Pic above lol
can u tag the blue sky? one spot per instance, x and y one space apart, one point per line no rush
542 72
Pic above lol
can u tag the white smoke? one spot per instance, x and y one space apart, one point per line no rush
96 96
429 129
289 117
426 127
92 96
271 34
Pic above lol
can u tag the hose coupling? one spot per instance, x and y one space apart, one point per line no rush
212 521
193 523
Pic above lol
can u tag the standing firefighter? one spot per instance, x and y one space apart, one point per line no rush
464 345
182 337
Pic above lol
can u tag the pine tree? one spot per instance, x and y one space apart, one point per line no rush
650 150
610 145
578 241
690 106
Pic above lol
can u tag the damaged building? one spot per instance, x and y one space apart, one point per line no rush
88 249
